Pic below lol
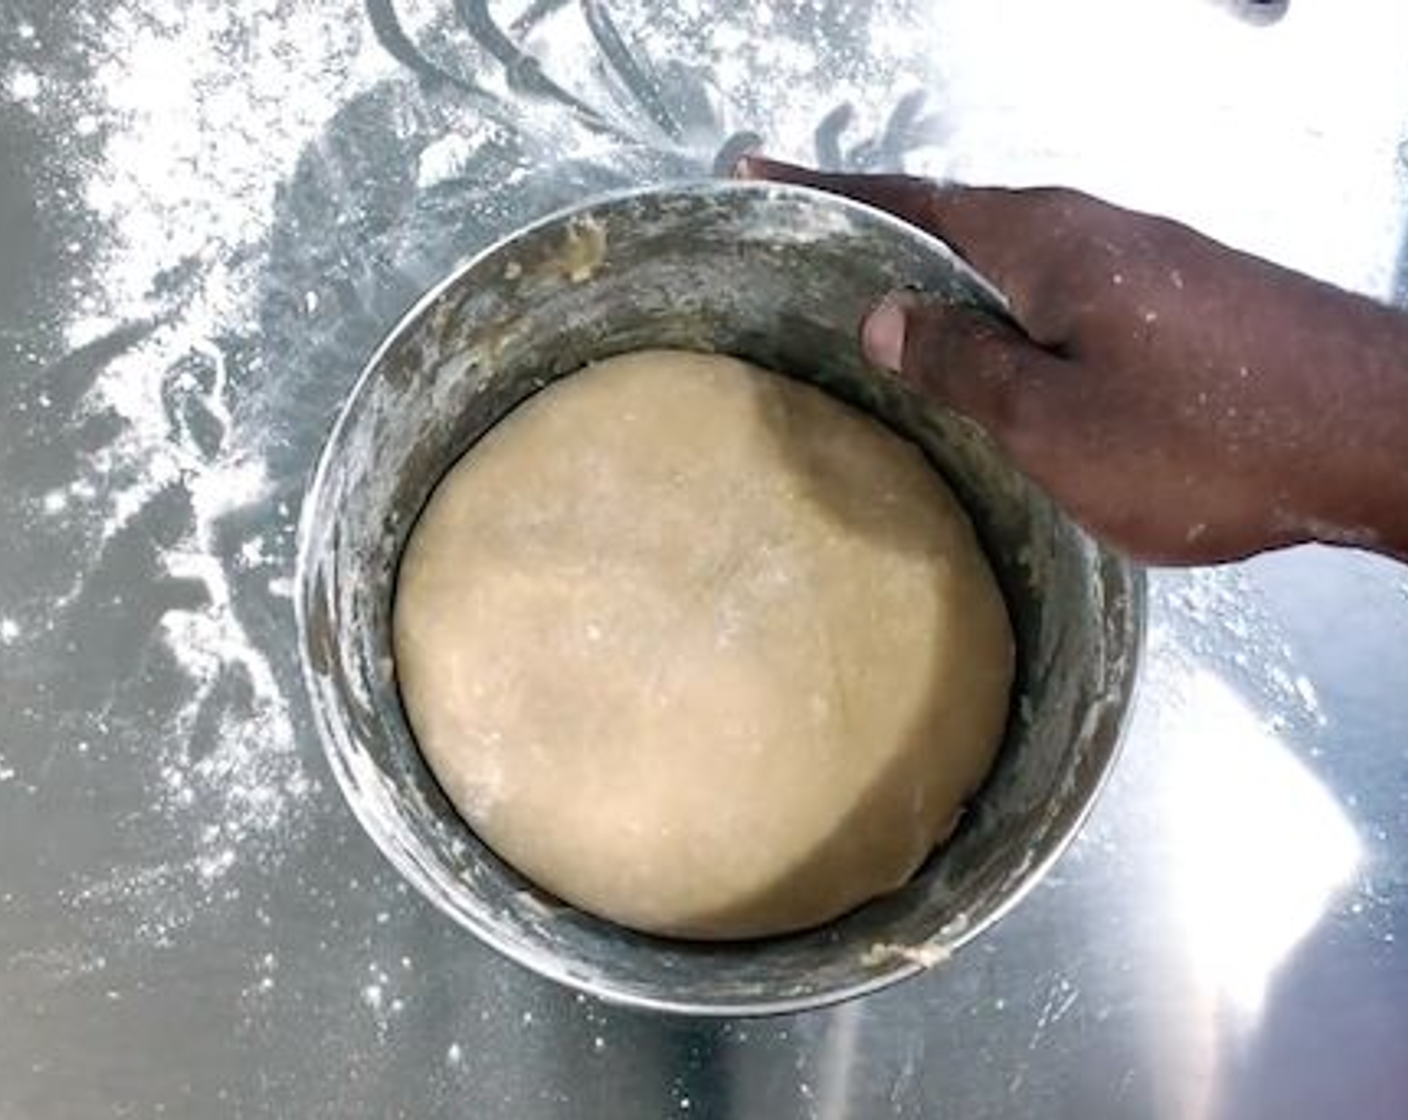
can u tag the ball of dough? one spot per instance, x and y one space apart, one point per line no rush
700 649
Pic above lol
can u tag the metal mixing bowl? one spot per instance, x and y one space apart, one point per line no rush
779 275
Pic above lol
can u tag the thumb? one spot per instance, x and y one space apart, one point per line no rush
970 362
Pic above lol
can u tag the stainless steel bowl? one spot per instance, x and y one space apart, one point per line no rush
780 275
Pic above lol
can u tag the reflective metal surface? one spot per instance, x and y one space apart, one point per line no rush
210 212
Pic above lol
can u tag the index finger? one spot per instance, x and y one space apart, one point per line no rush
979 223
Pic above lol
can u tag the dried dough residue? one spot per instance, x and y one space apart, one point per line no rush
887 952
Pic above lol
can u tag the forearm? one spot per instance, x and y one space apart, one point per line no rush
1345 360
1302 387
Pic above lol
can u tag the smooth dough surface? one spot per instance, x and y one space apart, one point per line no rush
700 649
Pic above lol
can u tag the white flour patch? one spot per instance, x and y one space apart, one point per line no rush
203 108
24 86
1208 614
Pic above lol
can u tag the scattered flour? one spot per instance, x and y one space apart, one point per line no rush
192 117
1210 615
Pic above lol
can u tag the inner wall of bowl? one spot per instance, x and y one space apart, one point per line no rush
782 278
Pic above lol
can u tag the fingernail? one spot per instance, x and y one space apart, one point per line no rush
882 335
756 164
753 164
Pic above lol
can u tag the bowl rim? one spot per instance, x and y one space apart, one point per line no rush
547 965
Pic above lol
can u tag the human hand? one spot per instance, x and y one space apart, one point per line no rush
1186 402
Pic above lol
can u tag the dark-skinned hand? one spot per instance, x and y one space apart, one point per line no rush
1186 402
